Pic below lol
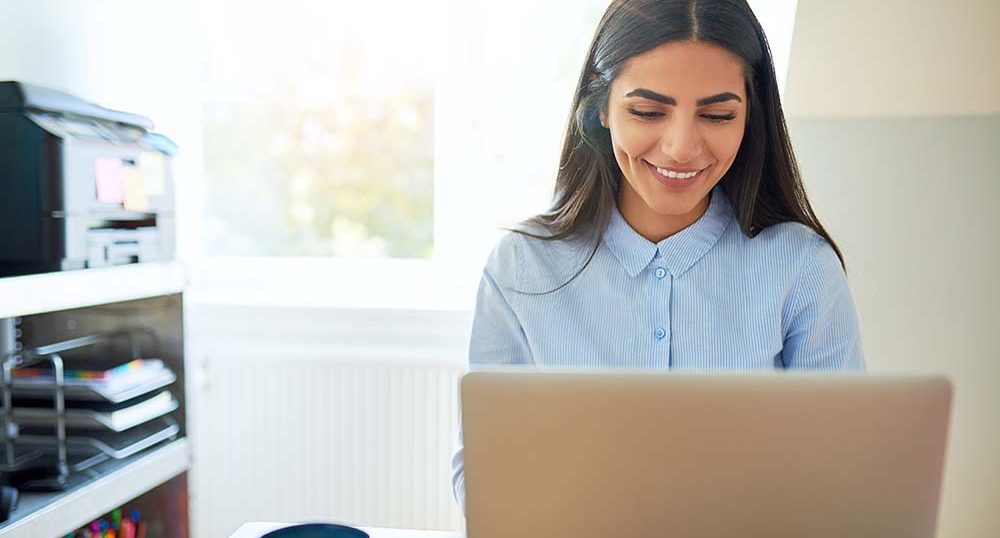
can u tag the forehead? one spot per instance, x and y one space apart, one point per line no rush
683 69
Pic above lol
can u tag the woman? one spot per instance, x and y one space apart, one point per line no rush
680 236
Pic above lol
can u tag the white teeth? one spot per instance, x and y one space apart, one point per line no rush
676 175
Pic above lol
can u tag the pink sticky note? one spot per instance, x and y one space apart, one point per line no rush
109 180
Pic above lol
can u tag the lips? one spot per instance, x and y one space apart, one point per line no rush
676 178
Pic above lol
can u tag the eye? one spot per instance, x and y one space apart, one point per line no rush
646 115
719 118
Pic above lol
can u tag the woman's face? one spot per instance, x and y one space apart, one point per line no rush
676 115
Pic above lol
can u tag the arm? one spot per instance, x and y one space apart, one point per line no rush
497 336
820 320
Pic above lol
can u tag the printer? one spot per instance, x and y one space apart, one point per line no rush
80 185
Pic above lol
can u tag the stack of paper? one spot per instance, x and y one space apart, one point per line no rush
123 382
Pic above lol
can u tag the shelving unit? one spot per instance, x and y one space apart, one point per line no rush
40 309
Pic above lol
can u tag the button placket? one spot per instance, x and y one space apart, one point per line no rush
660 273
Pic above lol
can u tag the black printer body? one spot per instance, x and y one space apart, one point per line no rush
80 185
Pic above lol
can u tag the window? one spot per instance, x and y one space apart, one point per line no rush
318 129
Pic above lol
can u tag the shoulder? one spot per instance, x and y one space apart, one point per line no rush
781 254
519 258
793 243
788 236
503 263
814 269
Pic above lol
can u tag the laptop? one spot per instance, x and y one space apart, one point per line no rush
613 454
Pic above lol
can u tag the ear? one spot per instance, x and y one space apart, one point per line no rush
602 115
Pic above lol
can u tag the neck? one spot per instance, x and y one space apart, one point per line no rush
652 225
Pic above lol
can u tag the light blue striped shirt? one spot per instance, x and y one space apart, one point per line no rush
705 298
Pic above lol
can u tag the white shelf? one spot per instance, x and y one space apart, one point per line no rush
50 515
110 484
49 292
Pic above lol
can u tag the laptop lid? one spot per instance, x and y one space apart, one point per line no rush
665 454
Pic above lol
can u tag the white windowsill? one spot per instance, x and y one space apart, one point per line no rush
332 283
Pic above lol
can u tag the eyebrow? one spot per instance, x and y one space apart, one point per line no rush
667 100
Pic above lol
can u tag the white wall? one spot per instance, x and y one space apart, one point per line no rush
859 58
894 116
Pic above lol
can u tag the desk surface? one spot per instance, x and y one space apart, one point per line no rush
256 530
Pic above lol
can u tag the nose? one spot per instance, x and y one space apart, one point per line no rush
682 141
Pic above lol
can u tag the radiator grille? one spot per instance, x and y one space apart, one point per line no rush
365 441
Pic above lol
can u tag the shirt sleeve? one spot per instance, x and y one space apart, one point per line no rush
822 330
497 335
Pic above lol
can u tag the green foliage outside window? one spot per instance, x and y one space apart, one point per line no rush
352 178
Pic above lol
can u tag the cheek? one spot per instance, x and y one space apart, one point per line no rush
725 143
632 141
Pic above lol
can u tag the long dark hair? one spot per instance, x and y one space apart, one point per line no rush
763 184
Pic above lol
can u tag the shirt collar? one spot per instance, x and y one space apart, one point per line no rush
678 252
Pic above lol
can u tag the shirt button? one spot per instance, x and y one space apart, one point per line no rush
660 333
660 272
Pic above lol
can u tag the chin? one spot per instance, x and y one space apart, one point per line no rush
676 205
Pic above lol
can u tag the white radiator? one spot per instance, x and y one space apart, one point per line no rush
365 441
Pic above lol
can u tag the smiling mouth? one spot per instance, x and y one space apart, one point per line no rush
676 174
